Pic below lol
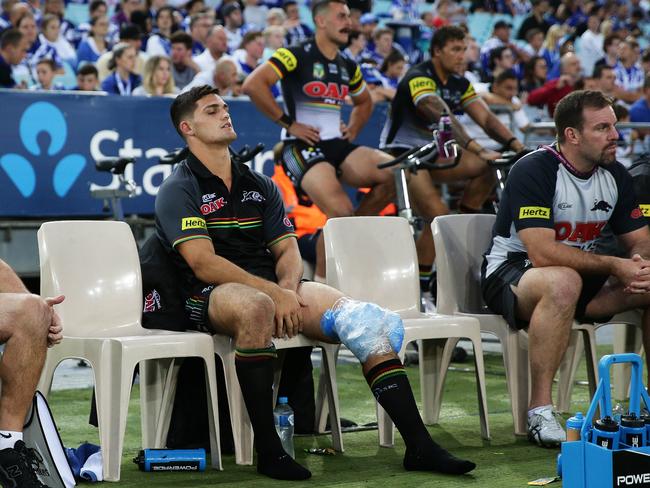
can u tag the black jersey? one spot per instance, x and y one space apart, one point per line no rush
545 190
404 127
314 87
242 223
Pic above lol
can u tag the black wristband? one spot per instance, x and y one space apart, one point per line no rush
284 121
510 141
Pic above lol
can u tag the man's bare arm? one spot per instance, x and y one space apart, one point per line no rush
288 263
431 109
491 124
360 114
637 242
9 280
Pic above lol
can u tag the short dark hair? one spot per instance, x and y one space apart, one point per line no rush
130 32
568 112
88 69
319 6
180 37
185 104
95 4
508 74
598 70
393 57
49 61
10 37
609 39
249 37
445 34
495 54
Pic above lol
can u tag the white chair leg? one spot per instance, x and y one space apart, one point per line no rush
480 384
515 359
328 377
152 391
567 371
435 357
47 374
322 400
167 403
213 412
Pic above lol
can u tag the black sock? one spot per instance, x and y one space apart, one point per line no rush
390 385
255 374
425 277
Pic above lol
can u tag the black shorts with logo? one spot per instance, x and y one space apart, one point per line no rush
196 308
298 156
500 298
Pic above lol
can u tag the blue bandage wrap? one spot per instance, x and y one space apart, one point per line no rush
365 328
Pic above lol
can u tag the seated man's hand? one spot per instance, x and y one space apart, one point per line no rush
488 154
288 312
55 332
640 277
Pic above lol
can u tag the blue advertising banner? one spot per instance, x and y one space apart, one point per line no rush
49 144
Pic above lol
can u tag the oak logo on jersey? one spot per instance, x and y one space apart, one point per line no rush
193 223
214 205
318 89
578 232
287 58
645 209
319 71
534 213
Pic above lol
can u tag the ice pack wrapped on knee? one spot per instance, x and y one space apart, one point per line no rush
365 328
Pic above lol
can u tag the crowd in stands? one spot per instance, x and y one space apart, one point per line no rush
162 47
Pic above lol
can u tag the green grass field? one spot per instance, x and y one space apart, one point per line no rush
505 461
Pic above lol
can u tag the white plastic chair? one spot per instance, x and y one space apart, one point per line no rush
95 265
460 242
374 259
241 427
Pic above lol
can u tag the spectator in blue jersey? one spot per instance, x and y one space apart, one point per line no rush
610 47
183 68
273 40
13 49
356 46
551 49
95 44
4 16
200 25
67 29
392 69
123 15
26 24
52 45
384 44
45 73
122 80
406 10
629 73
542 270
250 52
87 78
96 8
233 21
368 23
640 110
297 31
159 43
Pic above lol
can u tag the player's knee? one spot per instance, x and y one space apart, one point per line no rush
32 316
341 209
564 286
255 319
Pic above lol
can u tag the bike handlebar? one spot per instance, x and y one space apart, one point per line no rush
508 158
115 165
419 159
241 156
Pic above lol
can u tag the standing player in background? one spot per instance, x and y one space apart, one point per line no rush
316 78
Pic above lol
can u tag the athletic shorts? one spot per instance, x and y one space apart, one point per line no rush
500 298
196 308
298 157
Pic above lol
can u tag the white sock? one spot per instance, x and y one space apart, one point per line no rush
319 279
535 410
8 438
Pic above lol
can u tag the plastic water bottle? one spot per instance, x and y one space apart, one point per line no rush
283 415
444 133
617 412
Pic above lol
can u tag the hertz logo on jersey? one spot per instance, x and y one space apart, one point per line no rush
193 223
645 209
534 213
287 58
318 89
419 84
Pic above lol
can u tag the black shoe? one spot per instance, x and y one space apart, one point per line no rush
18 467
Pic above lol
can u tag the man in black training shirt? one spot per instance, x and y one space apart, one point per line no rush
13 48
542 270
225 227
316 78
